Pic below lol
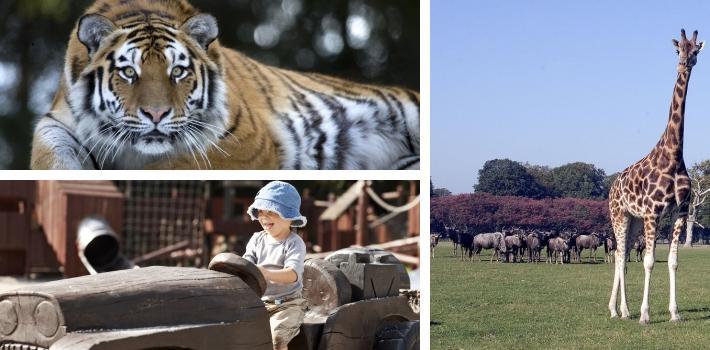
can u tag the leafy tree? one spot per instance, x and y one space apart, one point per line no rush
700 193
504 177
579 180
544 177
441 192
608 181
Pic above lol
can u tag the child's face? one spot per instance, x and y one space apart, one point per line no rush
273 224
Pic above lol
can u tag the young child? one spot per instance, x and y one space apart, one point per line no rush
279 253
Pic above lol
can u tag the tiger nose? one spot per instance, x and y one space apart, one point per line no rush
156 114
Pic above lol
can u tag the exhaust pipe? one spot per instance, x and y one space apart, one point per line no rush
99 247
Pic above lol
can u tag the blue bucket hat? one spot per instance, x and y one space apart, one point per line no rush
281 198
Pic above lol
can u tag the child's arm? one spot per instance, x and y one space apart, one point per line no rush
285 275
292 272
250 253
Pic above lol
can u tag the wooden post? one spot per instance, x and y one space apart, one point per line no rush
414 212
334 235
361 220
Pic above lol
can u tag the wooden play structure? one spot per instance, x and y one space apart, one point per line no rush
39 222
184 223
355 303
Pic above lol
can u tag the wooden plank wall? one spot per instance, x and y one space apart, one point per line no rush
16 200
61 207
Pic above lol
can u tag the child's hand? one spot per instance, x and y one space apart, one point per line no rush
286 275
265 272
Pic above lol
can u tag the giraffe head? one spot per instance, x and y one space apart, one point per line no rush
687 50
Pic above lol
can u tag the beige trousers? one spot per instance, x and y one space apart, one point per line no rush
285 320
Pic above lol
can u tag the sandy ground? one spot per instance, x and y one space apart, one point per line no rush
10 283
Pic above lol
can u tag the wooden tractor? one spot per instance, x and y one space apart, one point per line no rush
354 303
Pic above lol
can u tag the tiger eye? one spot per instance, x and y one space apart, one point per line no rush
177 72
129 72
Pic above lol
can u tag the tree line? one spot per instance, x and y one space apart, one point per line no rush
574 195
484 212
505 177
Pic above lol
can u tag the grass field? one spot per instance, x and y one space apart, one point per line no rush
529 306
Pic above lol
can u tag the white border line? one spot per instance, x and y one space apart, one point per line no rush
425 174
422 175
324 175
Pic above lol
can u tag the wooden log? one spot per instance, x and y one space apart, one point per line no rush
354 326
371 255
236 335
139 298
309 336
370 280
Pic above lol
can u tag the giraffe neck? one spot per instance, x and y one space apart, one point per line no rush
672 139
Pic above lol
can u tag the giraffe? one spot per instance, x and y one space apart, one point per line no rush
655 185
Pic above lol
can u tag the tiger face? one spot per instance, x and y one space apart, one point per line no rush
153 89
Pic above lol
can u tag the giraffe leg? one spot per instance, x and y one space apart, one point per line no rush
673 266
650 223
621 225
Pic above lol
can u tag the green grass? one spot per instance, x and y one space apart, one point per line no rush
524 306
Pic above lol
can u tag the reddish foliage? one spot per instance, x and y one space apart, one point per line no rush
483 212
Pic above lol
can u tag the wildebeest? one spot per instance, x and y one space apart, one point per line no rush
536 240
513 244
433 242
465 244
454 236
573 252
609 249
591 242
494 241
557 247
639 245
523 243
534 246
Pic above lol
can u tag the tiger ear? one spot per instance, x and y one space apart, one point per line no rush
203 28
93 29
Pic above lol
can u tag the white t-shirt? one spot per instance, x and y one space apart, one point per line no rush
265 251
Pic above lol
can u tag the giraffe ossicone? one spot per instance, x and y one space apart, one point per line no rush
652 187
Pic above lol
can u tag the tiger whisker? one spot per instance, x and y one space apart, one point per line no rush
102 131
190 142
200 148
220 131
122 141
107 144
188 126
112 145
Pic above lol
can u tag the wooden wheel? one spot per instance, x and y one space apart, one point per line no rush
325 287
398 336
236 265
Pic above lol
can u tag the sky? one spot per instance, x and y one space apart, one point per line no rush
555 82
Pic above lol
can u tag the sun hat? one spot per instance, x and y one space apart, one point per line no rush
281 198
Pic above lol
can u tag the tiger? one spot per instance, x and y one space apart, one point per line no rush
147 85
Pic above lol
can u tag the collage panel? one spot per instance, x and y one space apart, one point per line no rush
200 85
294 219
576 215
237 264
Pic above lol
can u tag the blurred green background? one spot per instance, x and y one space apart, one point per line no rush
374 41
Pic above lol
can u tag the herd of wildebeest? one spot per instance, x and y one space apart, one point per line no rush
522 245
